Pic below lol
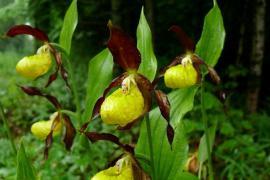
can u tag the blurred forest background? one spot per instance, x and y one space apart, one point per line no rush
242 148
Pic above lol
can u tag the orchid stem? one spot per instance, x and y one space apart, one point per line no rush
69 113
206 131
148 126
7 129
75 91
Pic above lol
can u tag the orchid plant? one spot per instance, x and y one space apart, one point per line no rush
162 148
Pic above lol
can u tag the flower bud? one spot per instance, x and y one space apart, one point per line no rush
192 164
121 171
41 129
34 66
181 76
123 106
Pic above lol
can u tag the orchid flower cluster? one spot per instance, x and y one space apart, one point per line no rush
123 107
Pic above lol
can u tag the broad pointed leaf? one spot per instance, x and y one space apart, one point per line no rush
69 26
99 77
148 66
167 161
25 170
212 39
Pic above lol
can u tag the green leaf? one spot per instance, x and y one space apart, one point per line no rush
181 102
167 162
212 39
99 76
25 170
69 26
186 176
202 154
148 65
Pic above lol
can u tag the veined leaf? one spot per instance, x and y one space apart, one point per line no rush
212 39
99 76
168 162
148 66
25 170
186 176
69 26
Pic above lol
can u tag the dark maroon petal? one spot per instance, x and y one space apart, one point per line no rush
48 144
184 39
25 29
70 132
213 74
59 66
53 100
33 91
170 133
94 136
49 138
199 74
123 49
52 78
164 106
116 82
64 75
146 89
197 60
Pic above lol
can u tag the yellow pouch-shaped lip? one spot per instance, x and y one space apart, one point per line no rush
181 76
121 171
41 129
113 173
34 66
122 107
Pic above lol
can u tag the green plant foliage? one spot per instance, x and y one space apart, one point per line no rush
148 66
69 26
202 154
167 161
25 170
99 76
186 176
181 103
212 39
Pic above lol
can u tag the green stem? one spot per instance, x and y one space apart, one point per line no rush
206 131
69 113
7 129
75 91
149 135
